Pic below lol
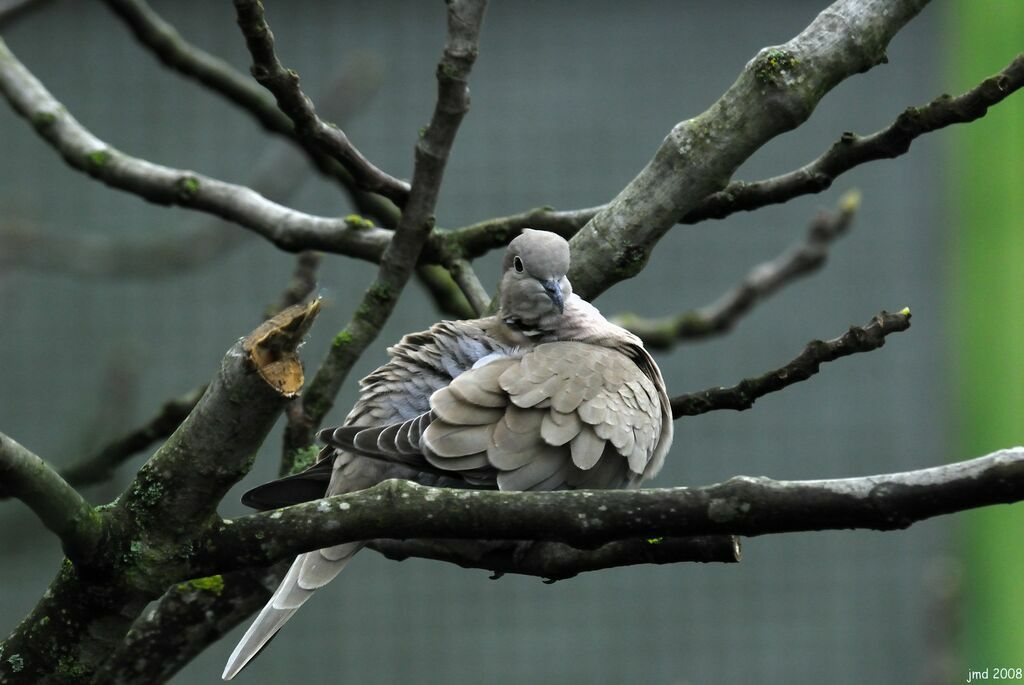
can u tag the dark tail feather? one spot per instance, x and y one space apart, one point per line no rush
308 485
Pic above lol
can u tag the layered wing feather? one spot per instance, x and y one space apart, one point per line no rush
536 420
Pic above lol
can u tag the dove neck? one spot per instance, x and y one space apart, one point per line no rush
579 321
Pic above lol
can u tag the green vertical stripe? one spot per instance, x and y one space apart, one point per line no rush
986 186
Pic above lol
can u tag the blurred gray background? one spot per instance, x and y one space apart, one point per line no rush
569 100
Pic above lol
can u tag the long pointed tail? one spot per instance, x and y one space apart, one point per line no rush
308 573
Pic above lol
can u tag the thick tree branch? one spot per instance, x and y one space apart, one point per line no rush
296 231
288 229
776 92
465 18
284 84
193 614
587 519
558 561
720 316
279 174
99 467
806 364
187 619
852 150
58 505
182 484
149 530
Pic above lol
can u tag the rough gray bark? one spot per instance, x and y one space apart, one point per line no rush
588 519
139 545
59 506
776 92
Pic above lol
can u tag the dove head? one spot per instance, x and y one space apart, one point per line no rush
534 287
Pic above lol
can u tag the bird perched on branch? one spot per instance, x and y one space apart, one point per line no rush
545 395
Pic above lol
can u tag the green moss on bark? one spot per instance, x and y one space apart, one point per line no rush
99 158
772 66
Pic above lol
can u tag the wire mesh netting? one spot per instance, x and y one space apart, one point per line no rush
569 101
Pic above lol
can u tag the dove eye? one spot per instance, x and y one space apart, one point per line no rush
518 264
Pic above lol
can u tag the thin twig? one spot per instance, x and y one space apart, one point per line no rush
480 238
284 84
852 150
464 21
25 476
463 274
218 76
100 466
290 230
442 288
558 561
806 364
302 284
589 518
800 260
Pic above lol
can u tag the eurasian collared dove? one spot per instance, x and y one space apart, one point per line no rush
545 395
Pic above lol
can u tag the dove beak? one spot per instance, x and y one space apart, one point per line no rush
554 291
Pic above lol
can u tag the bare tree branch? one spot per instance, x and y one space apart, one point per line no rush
196 613
852 150
463 274
301 286
142 256
558 561
445 292
58 505
720 316
91 604
480 238
165 526
187 619
193 614
100 466
295 231
100 255
588 518
775 92
175 52
464 21
201 460
288 229
284 84
807 363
